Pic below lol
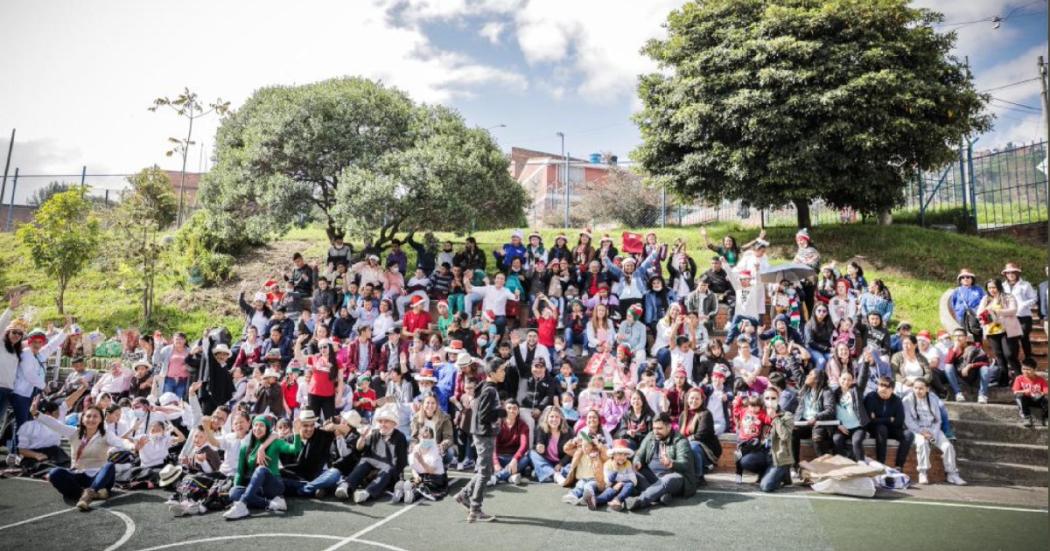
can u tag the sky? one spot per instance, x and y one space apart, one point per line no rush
76 78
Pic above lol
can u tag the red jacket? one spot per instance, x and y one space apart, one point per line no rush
353 354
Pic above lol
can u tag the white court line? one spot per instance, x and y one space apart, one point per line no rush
129 529
240 537
47 515
354 537
891 501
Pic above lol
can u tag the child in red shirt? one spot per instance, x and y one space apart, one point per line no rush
290 389
1030 391
364 397
546 321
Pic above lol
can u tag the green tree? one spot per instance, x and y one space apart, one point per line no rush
622 197
149 207
63 237
355 155
787 101
452 178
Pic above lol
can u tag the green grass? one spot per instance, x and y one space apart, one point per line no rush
102 296
917 264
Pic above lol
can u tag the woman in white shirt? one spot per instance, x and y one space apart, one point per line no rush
600 329
92 475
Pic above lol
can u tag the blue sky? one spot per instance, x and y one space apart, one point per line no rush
79 76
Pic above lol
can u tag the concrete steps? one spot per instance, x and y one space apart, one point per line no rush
991 431
1002 452
1005 474
993 413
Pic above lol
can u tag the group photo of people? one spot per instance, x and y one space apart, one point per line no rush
615 374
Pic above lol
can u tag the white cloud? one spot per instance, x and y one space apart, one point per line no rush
81 75
491 31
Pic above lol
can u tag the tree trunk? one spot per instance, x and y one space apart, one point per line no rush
802 210
885 217
60 301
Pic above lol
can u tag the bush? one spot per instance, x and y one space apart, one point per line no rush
199 249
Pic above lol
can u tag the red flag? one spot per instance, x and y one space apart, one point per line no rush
633 243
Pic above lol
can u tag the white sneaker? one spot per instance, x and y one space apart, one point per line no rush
277 505
238 510
923 479
739 479
960 397
360 496
954 478
559 479
343 491
178 509
982 399
410 494
570 498
515 479
492 480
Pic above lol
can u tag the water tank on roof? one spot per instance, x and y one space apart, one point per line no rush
596 158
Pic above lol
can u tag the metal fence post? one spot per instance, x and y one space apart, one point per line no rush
663 207
922 197
973 182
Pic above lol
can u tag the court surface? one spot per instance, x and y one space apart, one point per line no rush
32 516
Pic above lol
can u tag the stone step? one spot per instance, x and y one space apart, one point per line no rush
972 411
1001 452
1001 432
1007 474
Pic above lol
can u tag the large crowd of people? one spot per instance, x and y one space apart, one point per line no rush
612 373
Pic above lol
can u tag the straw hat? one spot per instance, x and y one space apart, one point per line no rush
621 446
169 474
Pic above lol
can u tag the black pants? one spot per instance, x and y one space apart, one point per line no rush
1006 350
1026 333
323 406
883 434
819 435
851 443
1026 403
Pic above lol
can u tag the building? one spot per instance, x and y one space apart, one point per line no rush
543 175
193 180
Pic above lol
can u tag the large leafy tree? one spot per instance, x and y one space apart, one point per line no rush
147 210
788 101
62 238
355 155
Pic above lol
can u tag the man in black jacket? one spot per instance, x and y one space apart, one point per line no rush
718 282
299 472
536 393
488 410
385 454
886 420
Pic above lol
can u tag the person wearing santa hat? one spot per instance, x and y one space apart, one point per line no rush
631 282
509 251
964 302
560 250
1026 298
750 300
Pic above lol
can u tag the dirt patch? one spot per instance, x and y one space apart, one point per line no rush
250 270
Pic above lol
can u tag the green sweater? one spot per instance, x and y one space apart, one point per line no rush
246 462
680 454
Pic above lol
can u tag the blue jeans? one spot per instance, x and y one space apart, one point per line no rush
582 485
985 376
71 484
5 399
734 329
572 339
818 358
762 464
610 494
654 487
772 478
21 405
698 459
542 468
263 486
301 488
178 386
504 474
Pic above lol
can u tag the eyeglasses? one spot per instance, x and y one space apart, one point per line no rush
16 333
768 399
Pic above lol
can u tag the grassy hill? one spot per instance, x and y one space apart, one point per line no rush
917 264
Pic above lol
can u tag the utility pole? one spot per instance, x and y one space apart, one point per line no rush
565 178
7 165
1046 131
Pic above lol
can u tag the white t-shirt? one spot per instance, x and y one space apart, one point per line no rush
714 405
230 444
34 435
155 451
431 457
749 367
495 299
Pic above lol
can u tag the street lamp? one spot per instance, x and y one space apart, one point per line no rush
566 177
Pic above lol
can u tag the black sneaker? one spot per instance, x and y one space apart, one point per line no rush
592 501
632 503
480 516
1028 421
321 493
666 500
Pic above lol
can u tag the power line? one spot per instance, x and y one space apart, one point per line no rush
1010 85
995 18
1036 109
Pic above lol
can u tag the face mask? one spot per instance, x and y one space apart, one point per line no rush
482 343
139 413
427 443
790 292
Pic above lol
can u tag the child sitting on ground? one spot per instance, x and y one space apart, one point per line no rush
428 479
586 476
620 477
364 399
